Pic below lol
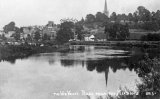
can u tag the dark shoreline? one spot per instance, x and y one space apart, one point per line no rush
12 52
152 44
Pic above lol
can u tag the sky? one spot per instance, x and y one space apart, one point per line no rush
39 12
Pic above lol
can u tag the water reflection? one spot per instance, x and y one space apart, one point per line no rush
83 67
102 57
129 58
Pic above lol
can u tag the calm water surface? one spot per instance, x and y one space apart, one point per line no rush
88 68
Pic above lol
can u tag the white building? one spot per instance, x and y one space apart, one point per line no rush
9 34
89 37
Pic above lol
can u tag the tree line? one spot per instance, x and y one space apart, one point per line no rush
116 26
142 18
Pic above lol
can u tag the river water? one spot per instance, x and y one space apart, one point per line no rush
82 70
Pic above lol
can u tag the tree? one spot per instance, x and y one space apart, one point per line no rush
117 31
130 17
21 29
3 37
157 17
16 35
90 18
123 32
150 76
9 27
37 36
81 21
153 26
45 37
124 17
29 38
111 30
113 16
121 17
79 31
135 17
151 37
143 14
101 17
65 33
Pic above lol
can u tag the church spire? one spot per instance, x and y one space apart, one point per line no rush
106 9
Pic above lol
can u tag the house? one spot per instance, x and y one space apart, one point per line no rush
9 34
30 31
89 37
50 29
99 34
26 31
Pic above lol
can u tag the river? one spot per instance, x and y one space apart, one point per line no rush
82 70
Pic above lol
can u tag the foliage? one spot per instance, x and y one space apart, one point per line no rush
151 37
3 37
130 17
79 31
45 37
149 71
29 38
90 18
9 27
111 29
16 35
142 18
113 16
65 33
143 14
100 17
81 21
123 32
37 36
153 25
117 31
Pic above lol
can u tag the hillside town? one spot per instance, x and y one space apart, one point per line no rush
30 33
99 27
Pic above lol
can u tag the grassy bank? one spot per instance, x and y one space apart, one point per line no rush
10 52
119 43
126 97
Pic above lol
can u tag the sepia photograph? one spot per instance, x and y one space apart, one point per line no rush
79 49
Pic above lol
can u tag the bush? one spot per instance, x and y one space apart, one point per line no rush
149 71
151 37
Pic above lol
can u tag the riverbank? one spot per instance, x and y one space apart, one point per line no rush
119 43
128 97
11 52
78 64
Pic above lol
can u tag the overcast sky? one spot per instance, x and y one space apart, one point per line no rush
39 12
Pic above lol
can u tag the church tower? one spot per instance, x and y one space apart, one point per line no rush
106 9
